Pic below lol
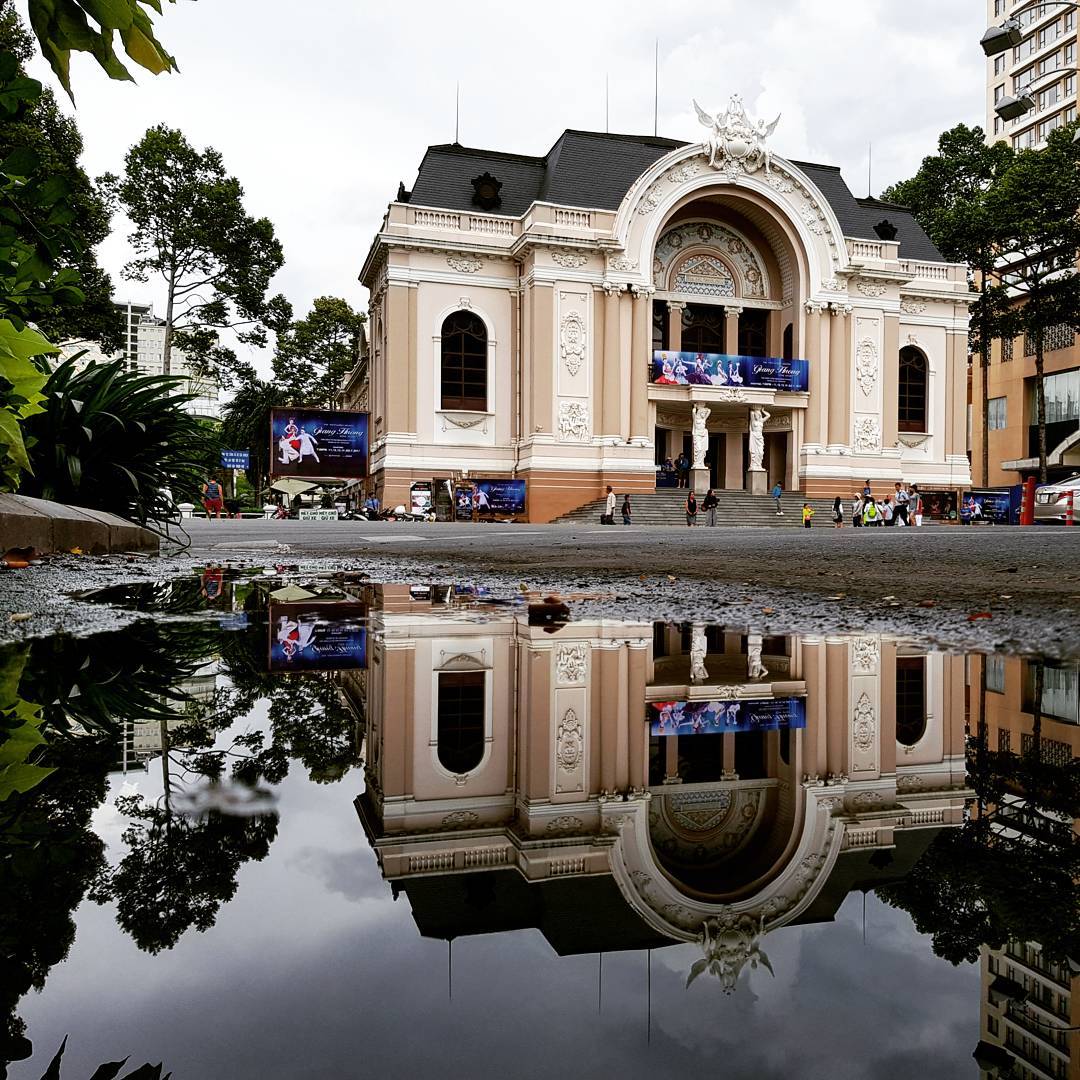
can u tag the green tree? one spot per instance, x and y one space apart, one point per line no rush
315 353
1038 196
246 420
191 231
44 130
950 196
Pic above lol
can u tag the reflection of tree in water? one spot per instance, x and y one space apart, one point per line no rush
1009 872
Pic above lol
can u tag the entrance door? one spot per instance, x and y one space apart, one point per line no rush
717 462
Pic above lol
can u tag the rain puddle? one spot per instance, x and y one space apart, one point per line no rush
308 826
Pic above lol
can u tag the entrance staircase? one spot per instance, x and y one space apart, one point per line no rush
737 508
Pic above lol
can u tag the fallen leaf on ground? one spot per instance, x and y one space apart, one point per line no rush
19 616
76 551
1005 596
13 563
672 577
979 615
927 603
766 611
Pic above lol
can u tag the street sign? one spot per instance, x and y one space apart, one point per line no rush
235 459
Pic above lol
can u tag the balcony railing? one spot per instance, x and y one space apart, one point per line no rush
721 370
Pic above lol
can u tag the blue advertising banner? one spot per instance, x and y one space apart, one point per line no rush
318 443
1001 507
235 459
715 369
317 637
725 717
500 497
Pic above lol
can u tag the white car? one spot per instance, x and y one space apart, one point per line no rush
1052 501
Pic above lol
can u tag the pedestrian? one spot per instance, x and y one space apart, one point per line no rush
888 514
807 514
866 492
871 512
212 498
609 507
856 510
777 491
626 509
691 509
682 466
916 504
709 505
902 499
838 513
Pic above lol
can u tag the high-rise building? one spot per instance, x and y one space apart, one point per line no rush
1045 65
144 351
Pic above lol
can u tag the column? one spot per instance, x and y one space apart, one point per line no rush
607 660
815 744
609 424
398 352
637 682
956 391
819 374
671 760
640 361
734 466
839 376
836 713
890 387
728 751
675 309
542 324
731 330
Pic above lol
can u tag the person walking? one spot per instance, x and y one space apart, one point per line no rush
709 505
888 514
856 511
916 505
626 509
807 515
838 513
609 507
901 500
691 509
777 491
212 498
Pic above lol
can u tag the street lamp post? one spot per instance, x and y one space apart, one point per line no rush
1010 33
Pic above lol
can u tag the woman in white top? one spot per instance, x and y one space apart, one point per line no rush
609 507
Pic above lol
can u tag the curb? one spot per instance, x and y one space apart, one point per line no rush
51 527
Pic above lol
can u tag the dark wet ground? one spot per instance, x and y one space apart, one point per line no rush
318 896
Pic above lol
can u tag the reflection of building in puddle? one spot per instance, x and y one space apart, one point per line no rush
513 779
1032 708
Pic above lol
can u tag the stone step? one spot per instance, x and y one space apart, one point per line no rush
737 509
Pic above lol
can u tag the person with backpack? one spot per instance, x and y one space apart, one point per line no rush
871 513
691 509
709 505
212 498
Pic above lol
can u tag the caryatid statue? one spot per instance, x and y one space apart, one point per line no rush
757 438
700 435
699 648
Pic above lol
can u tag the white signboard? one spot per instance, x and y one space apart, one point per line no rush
318 515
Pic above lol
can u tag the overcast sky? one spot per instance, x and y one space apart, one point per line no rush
320 108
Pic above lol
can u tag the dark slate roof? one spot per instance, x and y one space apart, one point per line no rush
596 169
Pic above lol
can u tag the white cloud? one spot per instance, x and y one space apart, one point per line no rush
321 109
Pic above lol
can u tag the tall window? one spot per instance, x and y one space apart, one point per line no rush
461 720
659 325
789 345
911 414
910 699
753 327
997 413
464 362
703 328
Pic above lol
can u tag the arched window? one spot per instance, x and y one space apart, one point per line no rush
910 699
464 362
911 411
461 720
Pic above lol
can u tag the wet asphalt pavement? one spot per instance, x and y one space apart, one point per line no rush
982 587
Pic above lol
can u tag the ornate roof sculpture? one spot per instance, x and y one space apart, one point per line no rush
737 140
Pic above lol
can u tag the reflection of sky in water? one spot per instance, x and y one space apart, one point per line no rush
313 970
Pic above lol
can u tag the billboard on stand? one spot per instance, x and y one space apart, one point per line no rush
318 443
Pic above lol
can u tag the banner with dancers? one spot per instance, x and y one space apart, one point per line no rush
715 369
318 443
310 636
725 717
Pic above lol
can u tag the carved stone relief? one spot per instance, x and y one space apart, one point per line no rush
912 307
572 341
867 433
865 655
570 259
569 742
573 421
866 365
863 720
621 262
570 663
872 288
464 264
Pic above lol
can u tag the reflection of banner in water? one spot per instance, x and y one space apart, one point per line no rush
716 369
318 443
725 717
313 636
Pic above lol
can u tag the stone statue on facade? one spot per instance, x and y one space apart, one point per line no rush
700 436
699 648
736 139
755 669
757 438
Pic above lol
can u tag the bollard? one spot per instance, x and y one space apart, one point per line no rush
1027 505
1069 510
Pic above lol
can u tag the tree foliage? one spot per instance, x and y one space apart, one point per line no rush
315 353
66 26
246 420
950 197
115 440
191 232
43 129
